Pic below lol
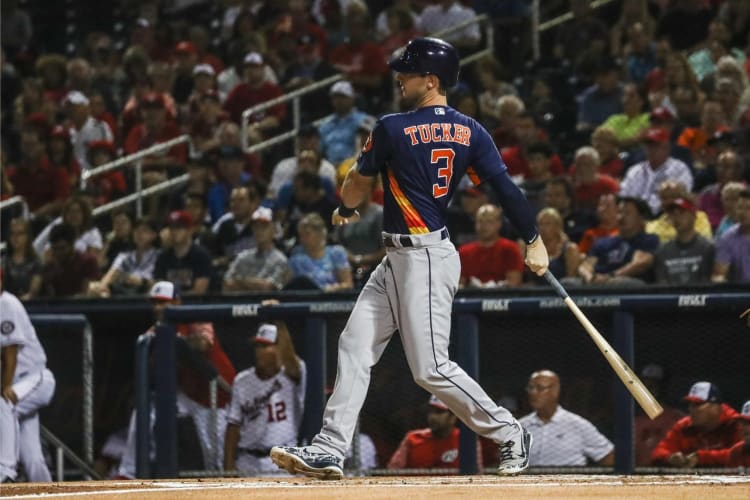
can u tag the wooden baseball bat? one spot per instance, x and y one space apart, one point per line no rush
633 384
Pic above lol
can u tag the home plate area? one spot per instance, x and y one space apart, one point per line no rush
427 487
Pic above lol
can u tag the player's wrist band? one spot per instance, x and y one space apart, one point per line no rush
345 211
533 240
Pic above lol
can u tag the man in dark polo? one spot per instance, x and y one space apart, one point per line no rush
184 263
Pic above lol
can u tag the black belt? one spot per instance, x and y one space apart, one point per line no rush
256 452
405 240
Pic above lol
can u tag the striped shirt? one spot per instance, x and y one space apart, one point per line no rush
643 181
566 440
142 267
254 263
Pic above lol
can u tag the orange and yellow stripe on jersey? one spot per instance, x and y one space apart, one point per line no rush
412 218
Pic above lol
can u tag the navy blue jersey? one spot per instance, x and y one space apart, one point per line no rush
422 155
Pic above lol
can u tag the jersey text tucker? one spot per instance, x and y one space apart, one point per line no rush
438 132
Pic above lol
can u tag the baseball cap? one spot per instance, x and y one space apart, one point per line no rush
263 214
722 135
656 134
703 392
435 402
203 69
653 371
682 203
164 290
180 218
342 88
253 58
101 145
76 97
267 334
661 114
185 47
745 412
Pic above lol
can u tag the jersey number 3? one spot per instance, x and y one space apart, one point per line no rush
440 189
276 412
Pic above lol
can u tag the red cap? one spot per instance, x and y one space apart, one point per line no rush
153 100
682 203
185 47
60 132
656 134
662 114
181 218
105 145
655 80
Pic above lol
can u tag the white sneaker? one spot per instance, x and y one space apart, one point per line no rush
301 460
514 455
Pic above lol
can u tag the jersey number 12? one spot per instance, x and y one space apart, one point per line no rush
276 411
440 189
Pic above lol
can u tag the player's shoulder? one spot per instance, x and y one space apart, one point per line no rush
246 375
10 302
418 435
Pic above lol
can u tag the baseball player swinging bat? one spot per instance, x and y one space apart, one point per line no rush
633 384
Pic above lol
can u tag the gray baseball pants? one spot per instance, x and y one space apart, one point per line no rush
411 291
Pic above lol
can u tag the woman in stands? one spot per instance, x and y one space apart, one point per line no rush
77 213
22 269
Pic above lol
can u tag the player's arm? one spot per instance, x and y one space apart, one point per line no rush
289 358
518 210
607 460
9 356
355 189
231 439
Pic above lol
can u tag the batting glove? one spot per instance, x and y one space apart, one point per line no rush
536 256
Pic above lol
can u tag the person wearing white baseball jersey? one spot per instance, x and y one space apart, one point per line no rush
27 385
561 438
267 402
421 155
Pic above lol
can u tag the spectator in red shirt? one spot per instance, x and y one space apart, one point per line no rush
44 186
206 120
509 109
363 60
605 142
516 157
739 454
491 260
589 183
68 272
203 82
155 129
704 437
255 89
606 212
433 447
185 60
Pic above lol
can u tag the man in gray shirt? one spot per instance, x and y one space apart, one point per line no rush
689 258
263 267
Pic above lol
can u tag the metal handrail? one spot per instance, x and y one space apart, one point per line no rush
64 451
296 94
133 197
16 200
136 157
538 27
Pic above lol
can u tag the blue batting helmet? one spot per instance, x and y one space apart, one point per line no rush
429 56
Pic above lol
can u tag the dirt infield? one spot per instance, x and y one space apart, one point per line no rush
463 487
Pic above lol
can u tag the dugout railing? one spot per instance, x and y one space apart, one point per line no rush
624 313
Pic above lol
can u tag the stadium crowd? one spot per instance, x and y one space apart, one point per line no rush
631 144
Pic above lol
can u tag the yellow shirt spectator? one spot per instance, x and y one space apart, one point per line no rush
662 228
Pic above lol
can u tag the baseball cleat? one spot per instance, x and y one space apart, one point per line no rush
514 455
301 461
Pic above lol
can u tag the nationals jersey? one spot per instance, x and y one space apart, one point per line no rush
16 329
422 155
268 411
